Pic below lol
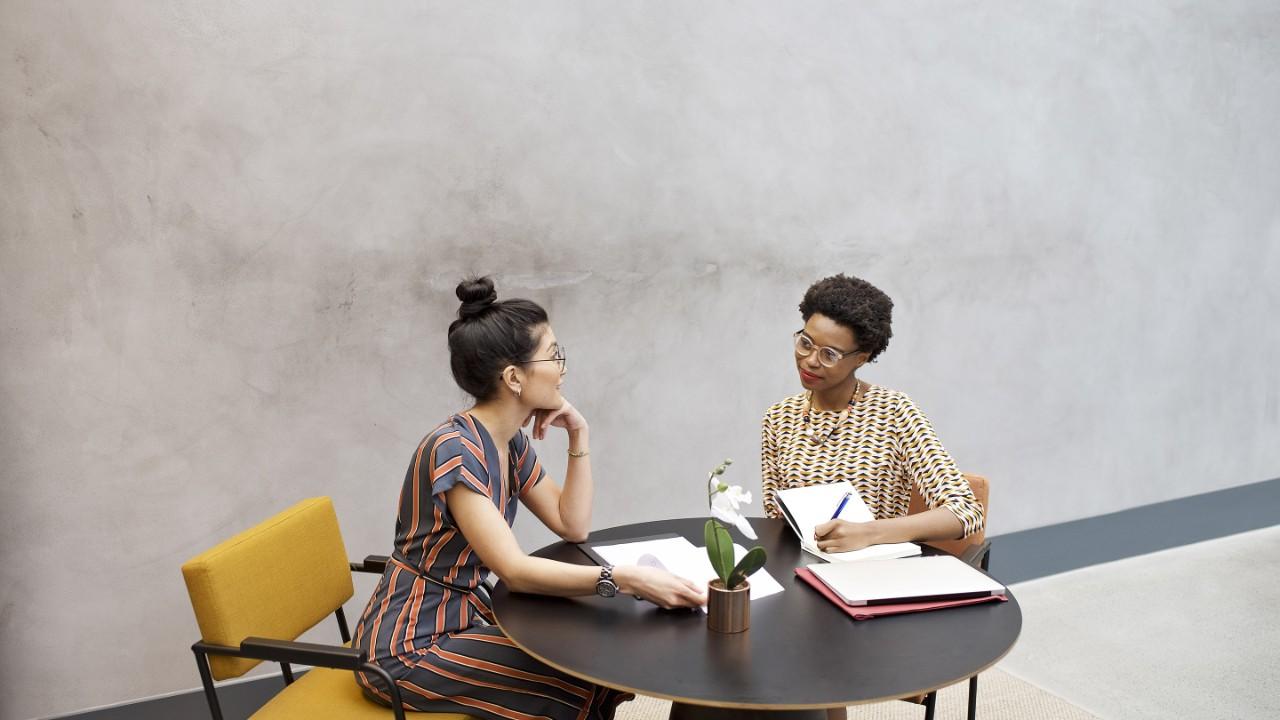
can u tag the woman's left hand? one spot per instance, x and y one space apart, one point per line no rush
842 535
566 416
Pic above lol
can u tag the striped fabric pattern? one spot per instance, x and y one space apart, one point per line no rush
428 626
886 446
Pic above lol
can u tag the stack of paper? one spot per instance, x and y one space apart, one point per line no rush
805 508
681 557
922 579
866 612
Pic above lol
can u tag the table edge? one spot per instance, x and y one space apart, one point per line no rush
748 705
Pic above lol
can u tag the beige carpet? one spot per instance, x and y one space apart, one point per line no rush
1000 697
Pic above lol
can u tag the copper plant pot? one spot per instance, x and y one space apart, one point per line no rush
728 611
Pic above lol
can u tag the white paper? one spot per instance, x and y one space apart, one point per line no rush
808 507
628 553
680 557
871 552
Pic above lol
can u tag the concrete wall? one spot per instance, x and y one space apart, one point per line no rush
229 234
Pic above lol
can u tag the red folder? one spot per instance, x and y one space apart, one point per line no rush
866 612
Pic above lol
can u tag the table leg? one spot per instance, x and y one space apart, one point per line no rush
680 711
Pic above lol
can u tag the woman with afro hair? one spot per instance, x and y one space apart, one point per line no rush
845 428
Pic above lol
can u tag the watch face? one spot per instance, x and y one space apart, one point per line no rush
606 588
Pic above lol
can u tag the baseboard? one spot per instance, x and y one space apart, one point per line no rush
1053 549
238 699
1015 557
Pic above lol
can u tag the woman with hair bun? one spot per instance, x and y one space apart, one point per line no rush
429 624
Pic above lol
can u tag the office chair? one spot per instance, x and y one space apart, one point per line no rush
975 550
254 594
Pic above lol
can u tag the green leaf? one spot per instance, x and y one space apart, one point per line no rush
725 548
751 562
719 549
709 539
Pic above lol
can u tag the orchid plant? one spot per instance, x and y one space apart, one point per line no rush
725 502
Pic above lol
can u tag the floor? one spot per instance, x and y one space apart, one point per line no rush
1191 632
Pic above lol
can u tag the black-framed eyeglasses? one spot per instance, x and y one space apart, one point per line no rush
827 356
557 357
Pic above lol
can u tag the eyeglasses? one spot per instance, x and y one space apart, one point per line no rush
556 357
827 356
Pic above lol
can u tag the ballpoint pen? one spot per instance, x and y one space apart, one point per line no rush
840 507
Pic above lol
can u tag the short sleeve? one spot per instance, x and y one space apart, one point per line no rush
449 459
529 470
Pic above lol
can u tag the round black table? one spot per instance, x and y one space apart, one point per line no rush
801 653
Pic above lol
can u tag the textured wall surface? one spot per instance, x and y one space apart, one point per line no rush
229 235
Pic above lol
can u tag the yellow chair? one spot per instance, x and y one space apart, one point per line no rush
975 550
254 594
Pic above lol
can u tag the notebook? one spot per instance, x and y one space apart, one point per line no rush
910 580
805 508
866 612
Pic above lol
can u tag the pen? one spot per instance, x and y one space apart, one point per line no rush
840 507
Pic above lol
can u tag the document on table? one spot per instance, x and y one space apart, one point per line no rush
805 508
922 579
681 557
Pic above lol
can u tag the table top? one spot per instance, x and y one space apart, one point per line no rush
801 652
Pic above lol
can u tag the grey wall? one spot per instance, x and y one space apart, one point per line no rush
229 235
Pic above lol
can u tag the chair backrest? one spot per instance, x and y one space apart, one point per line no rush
982 491
274 580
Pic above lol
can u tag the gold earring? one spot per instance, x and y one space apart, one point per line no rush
517 393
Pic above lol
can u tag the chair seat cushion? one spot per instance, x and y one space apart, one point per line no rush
324 693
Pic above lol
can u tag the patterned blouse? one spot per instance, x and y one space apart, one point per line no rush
885 446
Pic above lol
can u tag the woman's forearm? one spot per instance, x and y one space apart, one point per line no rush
937 524
548 577
578 492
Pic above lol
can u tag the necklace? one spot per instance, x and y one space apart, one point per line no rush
808 408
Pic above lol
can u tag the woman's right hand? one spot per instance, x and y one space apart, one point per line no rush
659 587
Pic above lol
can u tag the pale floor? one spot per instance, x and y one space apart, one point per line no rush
1191 632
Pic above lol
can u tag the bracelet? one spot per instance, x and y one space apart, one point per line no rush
580 453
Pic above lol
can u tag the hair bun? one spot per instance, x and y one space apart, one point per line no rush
476 294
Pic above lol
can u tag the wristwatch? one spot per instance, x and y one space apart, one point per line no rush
605 586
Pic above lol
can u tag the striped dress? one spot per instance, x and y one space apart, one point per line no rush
884 448
429 623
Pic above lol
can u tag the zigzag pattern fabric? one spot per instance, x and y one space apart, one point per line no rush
886 446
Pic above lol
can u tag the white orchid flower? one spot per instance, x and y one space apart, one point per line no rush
737 497
726 506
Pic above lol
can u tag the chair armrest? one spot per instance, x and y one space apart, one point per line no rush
289 651
315 655
371 564
976 555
